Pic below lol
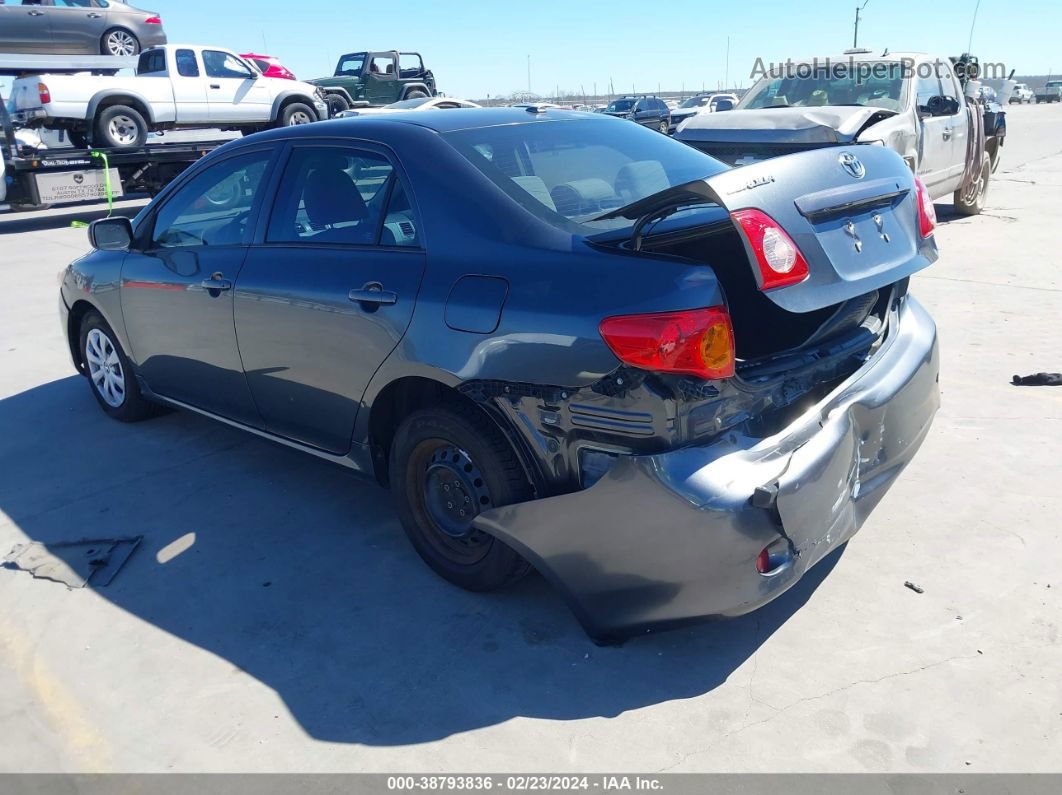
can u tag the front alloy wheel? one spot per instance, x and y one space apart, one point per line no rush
105 368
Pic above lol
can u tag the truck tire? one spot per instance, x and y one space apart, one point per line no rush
337 103
971 201
119 127
118 41
296 113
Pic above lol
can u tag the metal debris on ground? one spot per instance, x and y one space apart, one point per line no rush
73 563
913 587
1038 379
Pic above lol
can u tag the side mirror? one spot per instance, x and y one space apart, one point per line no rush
111 234
940 106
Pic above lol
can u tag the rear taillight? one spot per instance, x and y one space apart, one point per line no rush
927 213
44 93
780 261
153 21
697 342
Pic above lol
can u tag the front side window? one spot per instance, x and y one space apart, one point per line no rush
224 64
925 89
187 65
382 66
214 208
569 172
332 196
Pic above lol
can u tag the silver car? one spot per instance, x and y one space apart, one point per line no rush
82 27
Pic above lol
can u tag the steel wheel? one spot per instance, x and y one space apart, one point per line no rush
451 492
105 368
299 117
123 130
120 43
663 127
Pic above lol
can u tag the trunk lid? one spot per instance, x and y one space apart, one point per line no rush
852 211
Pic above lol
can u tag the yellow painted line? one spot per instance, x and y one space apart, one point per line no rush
61 707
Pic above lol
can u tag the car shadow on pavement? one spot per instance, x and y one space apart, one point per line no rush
298 574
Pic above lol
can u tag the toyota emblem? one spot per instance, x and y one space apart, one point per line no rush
852 164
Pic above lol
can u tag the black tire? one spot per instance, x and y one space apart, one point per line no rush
973 203
120 127
457 449
414 93
119 41
296 113
337 103
78 138
127 404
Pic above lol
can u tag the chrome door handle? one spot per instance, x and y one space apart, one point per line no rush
947 133
36 13
216 284
373 293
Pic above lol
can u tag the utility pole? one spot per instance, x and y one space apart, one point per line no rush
855 35
727 81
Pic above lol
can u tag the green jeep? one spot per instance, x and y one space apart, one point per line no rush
371 79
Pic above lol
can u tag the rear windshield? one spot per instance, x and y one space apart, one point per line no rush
570 172
694 102
878 85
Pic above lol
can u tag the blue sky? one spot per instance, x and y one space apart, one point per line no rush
481 48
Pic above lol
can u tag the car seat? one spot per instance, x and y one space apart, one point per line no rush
331 198
639 179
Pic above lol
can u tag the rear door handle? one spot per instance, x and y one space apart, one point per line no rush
373 293
94 15
36 13
216 284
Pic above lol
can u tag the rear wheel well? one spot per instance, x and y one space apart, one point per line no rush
128 101
401 398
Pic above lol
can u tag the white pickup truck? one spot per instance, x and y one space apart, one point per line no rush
176 85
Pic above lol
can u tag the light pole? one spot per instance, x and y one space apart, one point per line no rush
855 36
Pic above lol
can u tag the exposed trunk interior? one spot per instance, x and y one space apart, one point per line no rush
761 328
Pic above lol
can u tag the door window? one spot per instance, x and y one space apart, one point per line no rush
224 64
925 88
73 3
213 209
382 66
332 196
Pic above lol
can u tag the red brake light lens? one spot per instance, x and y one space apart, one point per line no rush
697 342
153 21
778 257
45 94
927 213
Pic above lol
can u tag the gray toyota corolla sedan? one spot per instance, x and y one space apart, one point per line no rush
563 341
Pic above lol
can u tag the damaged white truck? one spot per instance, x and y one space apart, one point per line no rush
918 105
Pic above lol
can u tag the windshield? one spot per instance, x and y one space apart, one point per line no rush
569 172
878 85
406 104
694 102
351 65
619 106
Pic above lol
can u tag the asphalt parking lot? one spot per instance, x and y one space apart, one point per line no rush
275 618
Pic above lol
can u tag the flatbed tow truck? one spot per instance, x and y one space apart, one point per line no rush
33 179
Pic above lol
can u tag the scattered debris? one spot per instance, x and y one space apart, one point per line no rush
75 564
1038 379
913 587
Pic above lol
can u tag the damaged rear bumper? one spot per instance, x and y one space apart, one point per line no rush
667 539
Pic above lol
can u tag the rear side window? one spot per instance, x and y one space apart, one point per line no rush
152 62
331 195
187 65
213 209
